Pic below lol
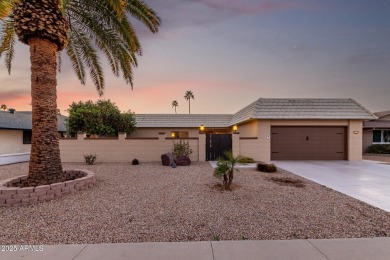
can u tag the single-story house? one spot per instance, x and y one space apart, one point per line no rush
267 129
377 131
15 135
270 129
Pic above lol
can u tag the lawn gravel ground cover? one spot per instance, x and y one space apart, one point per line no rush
377 157
150 202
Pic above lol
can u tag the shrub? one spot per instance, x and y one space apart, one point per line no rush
288 181
183 161
90 158
247 160
266 167
135 162
180 149
226 167
379 148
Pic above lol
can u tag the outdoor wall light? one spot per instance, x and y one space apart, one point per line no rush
201 128
355 132
173 135
235 128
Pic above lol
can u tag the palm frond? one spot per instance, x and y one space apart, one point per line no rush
144 13
7 41
6 8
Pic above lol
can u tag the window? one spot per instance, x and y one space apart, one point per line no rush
181 134
27 136
381 136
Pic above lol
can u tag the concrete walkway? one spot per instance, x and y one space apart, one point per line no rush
368 181
311 249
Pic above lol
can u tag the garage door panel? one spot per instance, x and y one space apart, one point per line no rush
308 143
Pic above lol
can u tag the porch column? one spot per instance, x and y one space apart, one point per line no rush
355 140
122 136
80 136
202 146
236 143
161 136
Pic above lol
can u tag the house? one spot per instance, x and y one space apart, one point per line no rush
15 135
377 131
271 129
267 129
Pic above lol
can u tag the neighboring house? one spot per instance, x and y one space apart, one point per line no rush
15 135
377 131
272 129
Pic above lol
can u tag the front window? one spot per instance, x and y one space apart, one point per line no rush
179 134
27 136
381 136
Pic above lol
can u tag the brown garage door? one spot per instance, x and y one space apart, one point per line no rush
308 143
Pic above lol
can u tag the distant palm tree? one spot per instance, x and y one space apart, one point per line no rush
175 104
4 107
188 95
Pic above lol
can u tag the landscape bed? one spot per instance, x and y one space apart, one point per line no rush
150 202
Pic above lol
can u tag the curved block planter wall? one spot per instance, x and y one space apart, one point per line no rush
11 195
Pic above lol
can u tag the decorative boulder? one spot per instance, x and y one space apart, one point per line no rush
167 159
183 161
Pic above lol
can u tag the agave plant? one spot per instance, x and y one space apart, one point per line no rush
226 166
81 28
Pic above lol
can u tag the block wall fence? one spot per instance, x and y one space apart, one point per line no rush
150 149
122 149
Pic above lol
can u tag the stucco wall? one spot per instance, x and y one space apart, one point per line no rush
11 141
367 140
153 132
355 140
294 122
248 129
121 149
264 140
250 148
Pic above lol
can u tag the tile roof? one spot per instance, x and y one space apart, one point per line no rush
182 120
264 108
23 120
302 108
382 113
376 124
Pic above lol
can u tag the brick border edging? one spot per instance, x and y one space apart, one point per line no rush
14 196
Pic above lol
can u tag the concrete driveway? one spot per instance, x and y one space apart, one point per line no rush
367 181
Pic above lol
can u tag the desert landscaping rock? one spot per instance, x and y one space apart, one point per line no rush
150 202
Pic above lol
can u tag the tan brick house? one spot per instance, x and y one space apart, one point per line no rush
267 129
272 129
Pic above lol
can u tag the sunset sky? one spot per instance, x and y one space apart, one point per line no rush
230 53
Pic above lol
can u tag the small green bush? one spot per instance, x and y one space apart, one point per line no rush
266 167
182 148
247 160
90 158
135 162
379 148
216 238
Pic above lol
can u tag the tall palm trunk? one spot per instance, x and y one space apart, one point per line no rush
45 162
189 106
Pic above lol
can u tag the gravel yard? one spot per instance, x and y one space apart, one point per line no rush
377 157
150 202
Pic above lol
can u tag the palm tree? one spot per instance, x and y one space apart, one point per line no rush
188 95
226 166
81 27
3 107
175 104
